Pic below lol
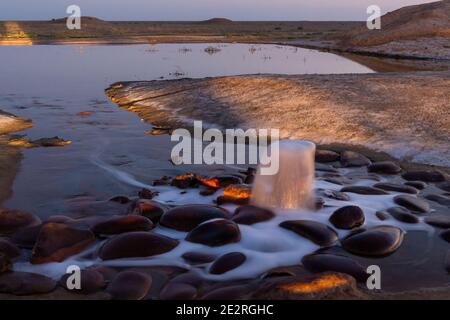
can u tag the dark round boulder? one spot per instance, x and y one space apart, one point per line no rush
412 203
122 224
403 215
439 221
130 285
91 281
186 218
325 262
198 257
26 237
444 186
136 244
9 249
375 242
354 159
150 209
325 156
438 198
366 190
120 199
425 176
178 291
445 235
419 185
5 263
227 262
13 220
24 283
249 215
384 167
347 217
382 215
396 187
316 232
58 241
215 233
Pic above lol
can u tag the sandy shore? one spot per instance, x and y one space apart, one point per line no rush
403 114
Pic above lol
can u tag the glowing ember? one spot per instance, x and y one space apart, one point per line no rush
210 182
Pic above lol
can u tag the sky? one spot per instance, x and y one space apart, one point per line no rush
200 9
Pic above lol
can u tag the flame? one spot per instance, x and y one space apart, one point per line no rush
323 283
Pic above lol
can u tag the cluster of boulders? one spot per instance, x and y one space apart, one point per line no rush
23 236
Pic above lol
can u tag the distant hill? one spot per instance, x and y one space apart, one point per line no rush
409 23
217 21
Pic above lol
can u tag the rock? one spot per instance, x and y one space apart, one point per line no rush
442 200
24 283
26 237
375 242
236 292
221 200
178 291
324 156
147 194
120 199
419 185
412 203
327 168
355 176
249 215
324 262
445 235
130 285
58 241
439 221
220 181
122 224
163 181
425 176
215 233
148 208
381 215
316 232
198 257
403 215
444 186
249 179
348 217
336 195
227 262
91 281
396 188
364 190
136 244
5 263
185 181
186 218
384 167
326 286
9 249
13 220
50 142
447 261
319 203
354 159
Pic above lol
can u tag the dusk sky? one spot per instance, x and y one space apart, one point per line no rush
199 9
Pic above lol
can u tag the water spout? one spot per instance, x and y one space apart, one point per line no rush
292 186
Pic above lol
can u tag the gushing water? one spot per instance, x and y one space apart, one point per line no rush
292 186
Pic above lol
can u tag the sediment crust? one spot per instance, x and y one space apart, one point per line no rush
403 114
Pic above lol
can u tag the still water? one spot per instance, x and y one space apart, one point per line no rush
51 84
